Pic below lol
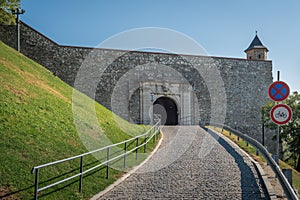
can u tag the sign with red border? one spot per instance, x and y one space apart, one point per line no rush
281 114
279 91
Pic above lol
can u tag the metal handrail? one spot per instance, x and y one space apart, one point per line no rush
288 189
152 132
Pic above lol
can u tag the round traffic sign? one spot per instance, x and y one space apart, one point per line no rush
281 114
279 91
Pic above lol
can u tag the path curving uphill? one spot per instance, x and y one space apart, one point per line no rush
192 163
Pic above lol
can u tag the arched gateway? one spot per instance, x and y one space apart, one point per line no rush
167 109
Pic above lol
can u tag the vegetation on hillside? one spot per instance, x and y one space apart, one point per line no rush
289 133
37 127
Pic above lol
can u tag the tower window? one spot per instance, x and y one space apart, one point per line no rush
259 56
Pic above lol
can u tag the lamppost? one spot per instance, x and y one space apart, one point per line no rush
18 12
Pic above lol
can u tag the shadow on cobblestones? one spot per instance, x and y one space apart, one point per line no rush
204 166
249 181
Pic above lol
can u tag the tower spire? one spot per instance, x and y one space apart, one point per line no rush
256 50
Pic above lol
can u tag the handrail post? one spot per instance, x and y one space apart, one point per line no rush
125 147
145 144
146 135
136 146
107 164
154 139
36 184
81 175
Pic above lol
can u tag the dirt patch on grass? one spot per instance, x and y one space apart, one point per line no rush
73 143
18 92
31 79
94 134
4 191
51 90
5 194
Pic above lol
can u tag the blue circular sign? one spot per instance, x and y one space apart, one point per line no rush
279 91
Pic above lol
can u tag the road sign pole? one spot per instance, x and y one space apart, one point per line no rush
278 130
280 113
277 144
278 133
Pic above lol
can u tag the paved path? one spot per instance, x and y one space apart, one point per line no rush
192 164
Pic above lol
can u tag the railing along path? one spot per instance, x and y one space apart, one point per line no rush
289 191
147 136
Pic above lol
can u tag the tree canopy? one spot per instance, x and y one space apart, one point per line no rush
290 132
6 7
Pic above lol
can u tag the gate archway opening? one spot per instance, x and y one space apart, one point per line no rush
167 109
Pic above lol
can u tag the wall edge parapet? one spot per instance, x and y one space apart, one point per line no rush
125 50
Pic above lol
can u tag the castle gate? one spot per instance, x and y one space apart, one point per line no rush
173 101
166 108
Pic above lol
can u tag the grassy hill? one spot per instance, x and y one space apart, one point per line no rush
36 127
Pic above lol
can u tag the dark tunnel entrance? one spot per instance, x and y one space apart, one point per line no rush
167 109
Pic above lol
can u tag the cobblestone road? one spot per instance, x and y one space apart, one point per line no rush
192 164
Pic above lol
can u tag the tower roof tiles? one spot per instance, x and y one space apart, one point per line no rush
256 44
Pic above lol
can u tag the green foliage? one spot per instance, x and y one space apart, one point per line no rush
6 6
290 133
36 127
266 119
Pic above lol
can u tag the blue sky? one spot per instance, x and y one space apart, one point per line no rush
223 27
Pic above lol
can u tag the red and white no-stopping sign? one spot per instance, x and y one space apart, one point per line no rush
281 114
279 91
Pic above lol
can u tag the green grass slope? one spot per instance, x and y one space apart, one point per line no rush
37 126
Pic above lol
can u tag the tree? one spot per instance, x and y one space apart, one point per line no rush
290 133
266 119
6 7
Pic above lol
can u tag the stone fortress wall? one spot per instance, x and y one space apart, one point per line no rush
131 81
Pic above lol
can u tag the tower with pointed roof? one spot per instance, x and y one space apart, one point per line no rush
256 50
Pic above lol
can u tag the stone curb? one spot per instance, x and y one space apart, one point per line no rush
132 171
270 190
261 173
